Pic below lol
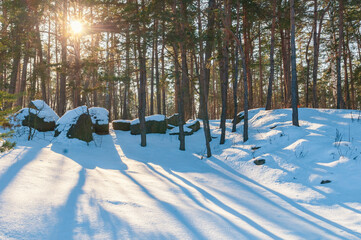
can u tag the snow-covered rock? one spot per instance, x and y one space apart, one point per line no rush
193 124
154 124
189 128
76 123
100 120
239 118
38 115
173 120
123 125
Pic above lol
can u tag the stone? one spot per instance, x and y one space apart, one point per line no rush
259 161
173 120
195 125
38 116
123 125
100 120
239 118
76 123
154 124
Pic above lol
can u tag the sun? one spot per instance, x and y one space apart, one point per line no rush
76 26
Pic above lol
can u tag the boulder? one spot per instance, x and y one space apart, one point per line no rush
100 120
259 161
154 124
38 116
187 131
173 120
239 118
189 128
123 125
193 124
76 123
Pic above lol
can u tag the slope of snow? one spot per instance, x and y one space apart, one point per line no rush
115 189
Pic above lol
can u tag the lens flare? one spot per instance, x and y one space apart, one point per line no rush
76 26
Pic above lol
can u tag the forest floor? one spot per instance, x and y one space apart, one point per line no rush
115 189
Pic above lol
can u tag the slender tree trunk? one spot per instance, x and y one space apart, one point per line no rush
353 104
247 49
272 61
23 77
235 77
157 84
347 85
63 73
260 66
141 47
163 82
340 102
16 61
307 72
152 80
294 70
223 66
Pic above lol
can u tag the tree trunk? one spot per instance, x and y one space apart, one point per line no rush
294 70
63 73
247 49
223 67
141 45
340 102
272 61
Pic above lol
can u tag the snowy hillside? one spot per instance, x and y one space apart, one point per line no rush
115 189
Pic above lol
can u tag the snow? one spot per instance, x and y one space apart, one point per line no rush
116 189
156 117
71 116
44 111
99 115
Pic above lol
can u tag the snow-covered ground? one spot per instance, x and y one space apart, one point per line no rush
115 189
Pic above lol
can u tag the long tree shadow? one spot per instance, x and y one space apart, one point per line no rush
164 159
103 157
21 160
214 200
289 201
68 212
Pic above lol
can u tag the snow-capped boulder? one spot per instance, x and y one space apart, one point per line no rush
123 125
173 120
175 131
239 118
189 128
76 123
193 124
100 120
154 124
38 115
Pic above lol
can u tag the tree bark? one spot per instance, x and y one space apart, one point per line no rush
63 73
294 70
272 61
340 102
